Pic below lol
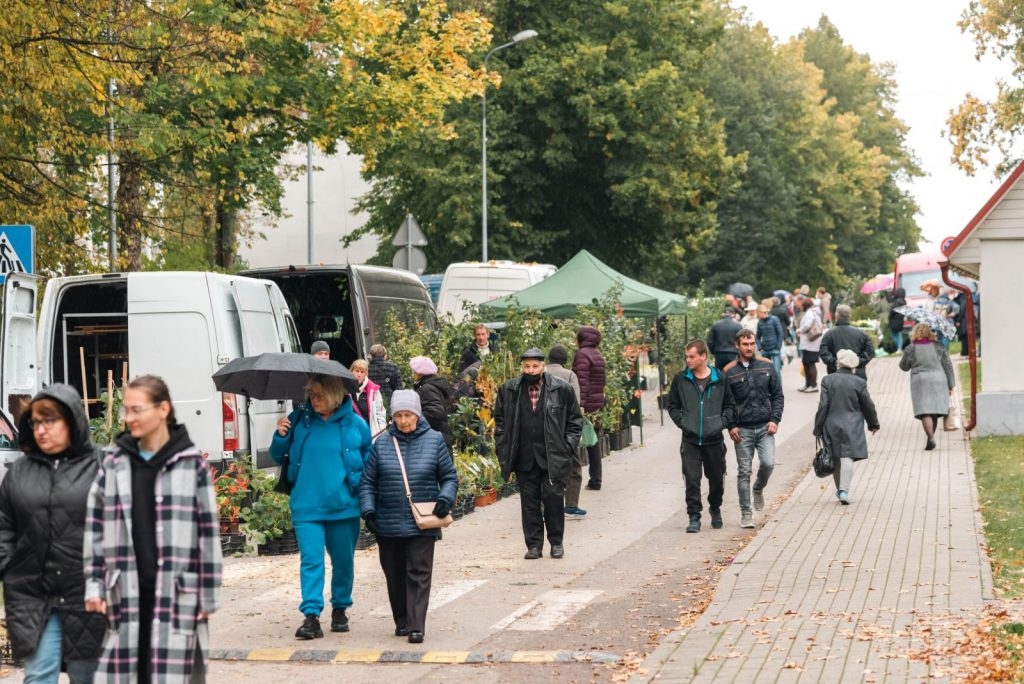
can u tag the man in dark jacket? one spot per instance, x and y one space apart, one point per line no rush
701 405
589 369
846 336
481 347
722 338
386 374
537 426
770 337
757 389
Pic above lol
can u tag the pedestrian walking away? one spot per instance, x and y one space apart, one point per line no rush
537 426
700 403
152 545
589 367
327 444
931 379
810 333
406 552
757 391
843 335
557 357
386 374
42 521
843 408
722 338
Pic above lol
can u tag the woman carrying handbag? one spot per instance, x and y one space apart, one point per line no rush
406 551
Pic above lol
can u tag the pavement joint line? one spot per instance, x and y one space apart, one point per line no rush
310 655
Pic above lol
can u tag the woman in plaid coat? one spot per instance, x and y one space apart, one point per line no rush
152 546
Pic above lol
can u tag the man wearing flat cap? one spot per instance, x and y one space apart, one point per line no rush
537 427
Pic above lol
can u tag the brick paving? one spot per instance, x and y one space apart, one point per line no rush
864 592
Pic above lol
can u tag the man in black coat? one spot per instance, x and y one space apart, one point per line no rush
537 427
386 374
846 336
722 338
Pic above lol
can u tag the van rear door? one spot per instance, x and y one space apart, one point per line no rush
19 363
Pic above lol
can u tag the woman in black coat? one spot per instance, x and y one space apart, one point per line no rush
435 395
42 522
406 551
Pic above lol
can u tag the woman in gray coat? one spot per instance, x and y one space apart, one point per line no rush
843 408
931 379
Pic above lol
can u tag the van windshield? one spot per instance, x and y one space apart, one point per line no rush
321 306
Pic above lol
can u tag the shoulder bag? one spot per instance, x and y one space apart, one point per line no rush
815 331
423 511
823 466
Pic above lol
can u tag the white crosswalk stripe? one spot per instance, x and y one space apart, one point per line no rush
549 610
439 596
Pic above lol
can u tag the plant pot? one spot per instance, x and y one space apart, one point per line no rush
488 497
232 543
606 445
662 401
366 540
508 489
464 505
283 545
228 527
627 436
615 440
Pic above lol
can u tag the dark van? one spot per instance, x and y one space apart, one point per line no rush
347 306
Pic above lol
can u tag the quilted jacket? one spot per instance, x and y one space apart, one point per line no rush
588 365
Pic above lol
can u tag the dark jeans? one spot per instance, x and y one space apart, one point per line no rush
408 565
535 488
709 460
594 457
723 359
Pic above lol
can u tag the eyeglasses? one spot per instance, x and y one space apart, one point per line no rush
317 396
135 411
45 423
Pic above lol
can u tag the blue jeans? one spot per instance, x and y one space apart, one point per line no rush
43 666
339 537
897 337
751 439
776 358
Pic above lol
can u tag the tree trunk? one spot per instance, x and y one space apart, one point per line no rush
227 227
130 204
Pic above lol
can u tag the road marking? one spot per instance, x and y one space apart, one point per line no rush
445 657
439 596
549 610
304 655
357 656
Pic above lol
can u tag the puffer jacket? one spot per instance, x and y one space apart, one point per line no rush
770 335
387 375
589 368
435 397
431 475
846 336
42 522
757 391
563 425
702 416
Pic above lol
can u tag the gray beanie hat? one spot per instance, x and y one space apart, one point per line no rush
406 400
319 346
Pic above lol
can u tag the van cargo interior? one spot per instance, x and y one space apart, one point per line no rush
91 338
321 305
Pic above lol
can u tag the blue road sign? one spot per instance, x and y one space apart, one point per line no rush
17 250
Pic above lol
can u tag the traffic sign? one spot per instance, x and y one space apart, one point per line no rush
946 244
17 250
411 259
409 233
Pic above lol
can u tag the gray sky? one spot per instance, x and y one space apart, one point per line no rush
935 67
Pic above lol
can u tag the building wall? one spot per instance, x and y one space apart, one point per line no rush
336 187
1002 281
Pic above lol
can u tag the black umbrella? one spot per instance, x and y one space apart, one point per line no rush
277 375
741 290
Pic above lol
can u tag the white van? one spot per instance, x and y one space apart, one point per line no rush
182 326
473 282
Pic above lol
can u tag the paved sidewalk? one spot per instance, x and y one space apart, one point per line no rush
850 593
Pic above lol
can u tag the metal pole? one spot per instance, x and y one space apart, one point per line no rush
111 185
309 202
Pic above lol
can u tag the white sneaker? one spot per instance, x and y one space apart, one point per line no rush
747 521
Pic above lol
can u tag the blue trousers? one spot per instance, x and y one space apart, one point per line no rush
339 538
43 666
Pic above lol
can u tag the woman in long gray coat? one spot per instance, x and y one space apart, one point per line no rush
931 379
843 408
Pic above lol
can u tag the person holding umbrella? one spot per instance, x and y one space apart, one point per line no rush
327 444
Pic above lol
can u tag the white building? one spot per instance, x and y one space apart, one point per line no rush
991 249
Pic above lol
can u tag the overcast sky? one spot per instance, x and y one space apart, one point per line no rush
935 67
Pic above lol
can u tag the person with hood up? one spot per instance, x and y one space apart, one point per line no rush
843 408
435 395
407 552
588 365
42 521
152 545
327 444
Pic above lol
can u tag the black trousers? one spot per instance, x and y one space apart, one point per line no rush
709 459
535 489
408 565
723 359
594 458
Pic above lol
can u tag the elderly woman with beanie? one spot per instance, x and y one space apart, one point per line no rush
435 395
931 379
843 408
42 522
327 444
406 552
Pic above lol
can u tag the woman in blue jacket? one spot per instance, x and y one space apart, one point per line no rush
327 443
406 551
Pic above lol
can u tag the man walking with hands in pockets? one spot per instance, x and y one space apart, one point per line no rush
757 389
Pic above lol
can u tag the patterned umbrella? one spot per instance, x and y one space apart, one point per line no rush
933 320
882 281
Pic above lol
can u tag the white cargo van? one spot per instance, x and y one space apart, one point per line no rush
182 326
474 282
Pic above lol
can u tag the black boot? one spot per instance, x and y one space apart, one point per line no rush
716 518
339 621
310 628
694 525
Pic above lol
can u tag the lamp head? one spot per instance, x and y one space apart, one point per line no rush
528 34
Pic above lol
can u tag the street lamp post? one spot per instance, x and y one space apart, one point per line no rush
518 38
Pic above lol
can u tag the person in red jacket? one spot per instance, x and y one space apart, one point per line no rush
589 369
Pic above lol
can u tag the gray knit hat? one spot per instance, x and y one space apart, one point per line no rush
319 346
846 358
406 400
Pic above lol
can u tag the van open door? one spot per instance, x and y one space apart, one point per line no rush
18 363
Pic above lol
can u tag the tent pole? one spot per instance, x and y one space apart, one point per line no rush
661 375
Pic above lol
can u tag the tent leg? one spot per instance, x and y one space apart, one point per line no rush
661 376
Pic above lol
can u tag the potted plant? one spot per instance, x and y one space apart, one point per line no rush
486 490
267 521
231 487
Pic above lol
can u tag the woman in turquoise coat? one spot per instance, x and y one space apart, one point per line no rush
327 444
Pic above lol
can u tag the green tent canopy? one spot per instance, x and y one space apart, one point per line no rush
582 280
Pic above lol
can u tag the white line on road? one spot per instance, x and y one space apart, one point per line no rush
549 610
439 596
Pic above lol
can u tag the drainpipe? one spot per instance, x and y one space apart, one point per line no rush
972 357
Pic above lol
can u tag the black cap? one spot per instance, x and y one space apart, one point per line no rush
532 353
